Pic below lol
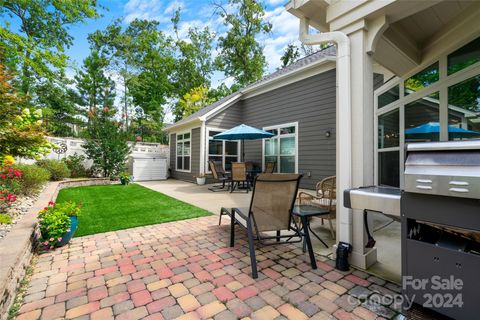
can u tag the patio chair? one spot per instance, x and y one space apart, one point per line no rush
272 201
270 167
239 175
219 175
326 198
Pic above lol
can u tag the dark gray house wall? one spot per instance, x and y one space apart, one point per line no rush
195 157
228 118
311 103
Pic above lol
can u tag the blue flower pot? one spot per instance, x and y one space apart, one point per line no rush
69 235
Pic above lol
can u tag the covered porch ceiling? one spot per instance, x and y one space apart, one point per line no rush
411 29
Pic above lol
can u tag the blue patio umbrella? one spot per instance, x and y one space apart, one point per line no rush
243 132
434 127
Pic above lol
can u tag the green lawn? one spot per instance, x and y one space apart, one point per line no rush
116 207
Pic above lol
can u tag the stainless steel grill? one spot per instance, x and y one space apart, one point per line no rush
440 214
445 168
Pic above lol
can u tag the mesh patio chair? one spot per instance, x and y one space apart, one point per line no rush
273 198
239 175
270 167
219 175
326 198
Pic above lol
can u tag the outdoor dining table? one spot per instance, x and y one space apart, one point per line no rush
305 212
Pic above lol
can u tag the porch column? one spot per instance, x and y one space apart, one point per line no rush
362 146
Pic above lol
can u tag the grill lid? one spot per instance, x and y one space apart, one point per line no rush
444 168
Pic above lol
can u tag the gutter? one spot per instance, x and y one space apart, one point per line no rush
343 118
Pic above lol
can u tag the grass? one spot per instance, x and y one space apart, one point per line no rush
117 207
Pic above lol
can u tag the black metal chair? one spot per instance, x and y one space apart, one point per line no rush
273 198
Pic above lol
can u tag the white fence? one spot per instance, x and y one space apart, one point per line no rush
71 146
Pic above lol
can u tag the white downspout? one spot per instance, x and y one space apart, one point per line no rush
343 120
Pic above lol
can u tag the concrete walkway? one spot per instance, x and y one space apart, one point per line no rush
199 196
186 270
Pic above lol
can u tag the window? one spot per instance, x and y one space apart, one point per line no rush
389 96
464 110
388 130
422 119
439 103
222 151
282 148
183 152
464 57
422 79
388 168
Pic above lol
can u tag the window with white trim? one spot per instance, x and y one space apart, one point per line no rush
223 151
440 102
183 151
282 148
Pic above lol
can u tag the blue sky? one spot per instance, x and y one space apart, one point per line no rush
197 13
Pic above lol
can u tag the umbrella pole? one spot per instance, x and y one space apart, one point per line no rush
243 150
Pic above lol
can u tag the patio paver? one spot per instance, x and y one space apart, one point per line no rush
186 270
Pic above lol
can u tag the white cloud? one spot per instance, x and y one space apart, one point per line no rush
276 2
175 5
151 9
284 32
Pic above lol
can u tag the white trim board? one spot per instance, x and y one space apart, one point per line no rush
183 156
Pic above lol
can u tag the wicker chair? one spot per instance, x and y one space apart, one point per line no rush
273 198
269 167
326 197
219 175
239 175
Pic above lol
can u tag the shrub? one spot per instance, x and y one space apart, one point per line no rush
5 219
75 165
33 178
58 169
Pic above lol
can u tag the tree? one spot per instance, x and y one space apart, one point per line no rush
96 90
290 55
194 64
106 143
59 104
116 45
151 87
193 101
292 52
21 130
219 92
37 48
241 55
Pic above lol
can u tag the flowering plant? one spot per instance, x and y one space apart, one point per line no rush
125 178
55 222
8 180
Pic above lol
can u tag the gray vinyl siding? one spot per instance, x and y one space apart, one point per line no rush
194 153
228 118
311 103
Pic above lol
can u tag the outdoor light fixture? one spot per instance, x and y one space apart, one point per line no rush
328 133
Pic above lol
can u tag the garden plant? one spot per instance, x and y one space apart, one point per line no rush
58 223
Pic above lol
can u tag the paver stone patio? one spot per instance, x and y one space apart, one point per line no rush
185 270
